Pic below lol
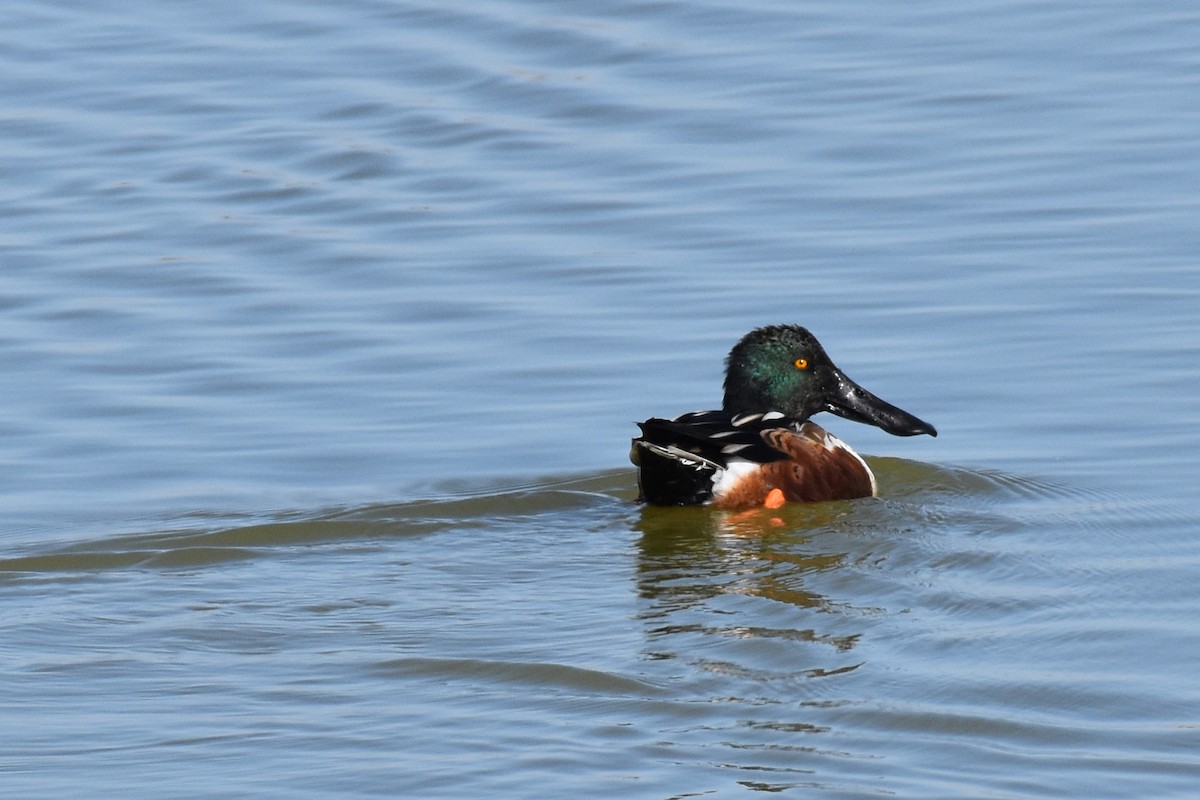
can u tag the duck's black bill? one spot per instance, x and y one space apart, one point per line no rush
853 402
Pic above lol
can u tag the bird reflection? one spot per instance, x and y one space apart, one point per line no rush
770 623
741 575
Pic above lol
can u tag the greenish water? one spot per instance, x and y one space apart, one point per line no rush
324 332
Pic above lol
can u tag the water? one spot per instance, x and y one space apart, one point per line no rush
325 326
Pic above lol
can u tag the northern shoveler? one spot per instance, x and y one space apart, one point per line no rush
760 448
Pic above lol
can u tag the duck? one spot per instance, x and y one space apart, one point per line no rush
761 448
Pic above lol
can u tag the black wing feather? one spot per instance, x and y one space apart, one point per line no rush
716 436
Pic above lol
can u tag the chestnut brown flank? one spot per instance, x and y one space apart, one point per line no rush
813 472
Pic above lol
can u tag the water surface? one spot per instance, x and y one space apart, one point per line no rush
324 329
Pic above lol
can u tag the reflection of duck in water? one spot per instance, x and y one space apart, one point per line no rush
760 448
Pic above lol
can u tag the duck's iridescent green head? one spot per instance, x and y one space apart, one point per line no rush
784 368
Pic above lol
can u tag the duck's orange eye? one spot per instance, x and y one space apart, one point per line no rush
801 363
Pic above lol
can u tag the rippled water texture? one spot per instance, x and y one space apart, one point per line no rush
324 326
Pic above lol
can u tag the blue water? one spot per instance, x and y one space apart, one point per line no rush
324 327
